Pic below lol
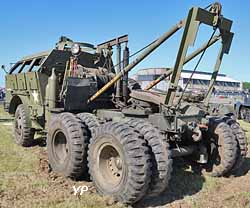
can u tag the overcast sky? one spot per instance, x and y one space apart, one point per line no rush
33 26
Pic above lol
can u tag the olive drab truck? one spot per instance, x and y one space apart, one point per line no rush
99 122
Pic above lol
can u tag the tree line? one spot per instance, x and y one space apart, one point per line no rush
246 85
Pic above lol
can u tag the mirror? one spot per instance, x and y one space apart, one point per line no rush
4 68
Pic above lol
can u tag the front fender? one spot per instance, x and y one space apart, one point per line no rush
15 101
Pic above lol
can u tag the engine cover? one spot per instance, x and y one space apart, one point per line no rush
78 91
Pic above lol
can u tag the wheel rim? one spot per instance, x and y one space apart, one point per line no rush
18 125
60 146
221 150
110 164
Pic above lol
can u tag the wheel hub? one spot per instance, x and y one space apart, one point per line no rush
115 166
111 164
18 125
61 148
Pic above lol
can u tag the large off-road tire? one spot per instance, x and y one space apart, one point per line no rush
241 142
160 155
24 135
119 162
67 145
90 120
223 148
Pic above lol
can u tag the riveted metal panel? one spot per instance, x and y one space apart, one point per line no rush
21 81
31 80
11 82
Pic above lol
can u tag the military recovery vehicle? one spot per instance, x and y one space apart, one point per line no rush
100 122
242 108
228 112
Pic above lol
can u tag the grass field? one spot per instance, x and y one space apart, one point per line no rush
246 127
25 181
3 114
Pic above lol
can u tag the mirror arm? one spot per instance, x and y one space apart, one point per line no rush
3 67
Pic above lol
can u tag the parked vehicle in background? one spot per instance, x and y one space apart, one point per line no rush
2 94
242 107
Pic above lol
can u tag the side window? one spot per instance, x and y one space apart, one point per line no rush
36 65
25 67
16 68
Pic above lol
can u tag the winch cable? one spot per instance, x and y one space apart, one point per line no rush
195 68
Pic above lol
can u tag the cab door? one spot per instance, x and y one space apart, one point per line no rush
36 83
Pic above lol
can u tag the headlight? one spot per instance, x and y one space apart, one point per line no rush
75 49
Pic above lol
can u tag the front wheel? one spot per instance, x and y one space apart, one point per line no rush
24 134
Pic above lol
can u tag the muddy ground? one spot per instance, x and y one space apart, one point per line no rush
26 181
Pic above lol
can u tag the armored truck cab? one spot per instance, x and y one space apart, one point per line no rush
27 80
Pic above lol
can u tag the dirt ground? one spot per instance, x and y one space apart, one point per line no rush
26 181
